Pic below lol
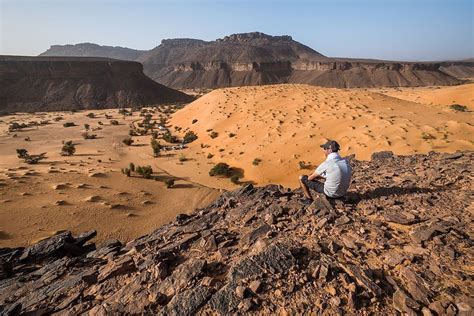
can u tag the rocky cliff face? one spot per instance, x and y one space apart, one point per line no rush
401 241
32 84
256 58
93 50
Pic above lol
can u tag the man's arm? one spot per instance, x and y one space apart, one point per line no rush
314 176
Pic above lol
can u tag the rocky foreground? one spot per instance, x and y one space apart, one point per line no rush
401 241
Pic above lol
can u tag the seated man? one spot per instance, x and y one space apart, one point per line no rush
336 172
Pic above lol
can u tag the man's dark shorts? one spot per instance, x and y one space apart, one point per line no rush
313 184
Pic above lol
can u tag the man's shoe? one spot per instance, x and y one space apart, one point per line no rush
306 201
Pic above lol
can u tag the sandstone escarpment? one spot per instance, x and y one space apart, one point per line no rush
401 241
256 58
32 84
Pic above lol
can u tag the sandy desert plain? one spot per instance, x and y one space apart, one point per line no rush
270 133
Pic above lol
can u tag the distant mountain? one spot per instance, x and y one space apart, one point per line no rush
257 58
93 50
31 84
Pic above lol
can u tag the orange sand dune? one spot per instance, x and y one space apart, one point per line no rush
284 124
463 94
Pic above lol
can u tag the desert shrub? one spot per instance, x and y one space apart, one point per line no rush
144 171
213 134
68 148
235 179
132 133
132 166
114 122
170 138
232 135
304 165
209 156
69 124
126 171
90 115
155 146
86 135
427 136
127 141
256 161
182 158
194 121
220 169
100 123
189 137
458 107
108 117
87 127
16 126
58 118
169 183
22 153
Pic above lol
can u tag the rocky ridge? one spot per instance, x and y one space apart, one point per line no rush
31 84
256 58
401 241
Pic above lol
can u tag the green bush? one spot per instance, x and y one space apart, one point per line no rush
169 183
127 141
126 171
86 135
144 171
189 137
256 161
304 165
170 138
459 107
155 146
221 169
68 149
132 166
87 127
235 179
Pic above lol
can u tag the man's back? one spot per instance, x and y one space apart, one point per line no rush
337 172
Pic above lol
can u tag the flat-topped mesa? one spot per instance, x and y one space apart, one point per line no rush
401 242
256 58
252 36
31 84
182 42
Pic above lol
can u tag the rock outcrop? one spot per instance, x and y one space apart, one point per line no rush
256 58
31 84
400 241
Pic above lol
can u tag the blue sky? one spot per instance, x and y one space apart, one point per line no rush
384 29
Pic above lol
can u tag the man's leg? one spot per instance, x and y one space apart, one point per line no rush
305 188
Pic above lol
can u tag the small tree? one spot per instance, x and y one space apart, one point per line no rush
235 179
68 149
144 171
87 127
132 166
189 137
170 138
155 146
220 169
127 141
169 183
126 171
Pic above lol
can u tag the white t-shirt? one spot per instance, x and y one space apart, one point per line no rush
337 172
